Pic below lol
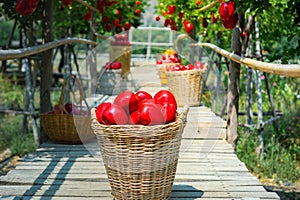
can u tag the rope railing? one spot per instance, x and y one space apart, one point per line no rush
289 70
25 52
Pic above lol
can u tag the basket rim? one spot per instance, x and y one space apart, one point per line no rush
180 121
62 114
159 126
186 71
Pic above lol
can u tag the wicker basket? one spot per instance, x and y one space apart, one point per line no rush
65 128
186 86
162 74
140 161
121 54
109 82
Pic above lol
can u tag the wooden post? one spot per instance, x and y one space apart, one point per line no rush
46 68
249 87
67 70
275 124
233 90
249 99
260 148
92 62
217 80
192 40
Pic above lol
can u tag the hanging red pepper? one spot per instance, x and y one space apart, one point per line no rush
228 14
26 7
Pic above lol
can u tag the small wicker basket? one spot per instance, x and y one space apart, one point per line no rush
65 128
186 86
162 74
162 68
109 82
121 54
140 161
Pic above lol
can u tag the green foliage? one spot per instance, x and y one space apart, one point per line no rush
282 150
285 92
124 12
10 136
279 23
281 37
11 126
6 27
190 10
288 134
68 20
206 98
11 95
278 162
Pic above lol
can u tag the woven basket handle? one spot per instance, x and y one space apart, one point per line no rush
61 98
185 111
81 93
63 90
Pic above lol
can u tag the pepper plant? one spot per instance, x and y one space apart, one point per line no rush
278 20
73 17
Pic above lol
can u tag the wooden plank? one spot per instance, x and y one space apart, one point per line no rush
207 186
210 124
194 194
185 156
232 195
182 170
102 176
106 198
192 131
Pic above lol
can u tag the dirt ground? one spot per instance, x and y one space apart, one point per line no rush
286 191
9 166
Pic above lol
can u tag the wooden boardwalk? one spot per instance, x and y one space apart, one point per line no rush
208 168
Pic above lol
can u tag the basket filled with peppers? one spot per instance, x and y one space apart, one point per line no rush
120 51
139 136
68 123
109 82
186 82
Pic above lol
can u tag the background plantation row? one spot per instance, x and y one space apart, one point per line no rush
279 36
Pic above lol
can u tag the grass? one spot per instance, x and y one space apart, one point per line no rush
279 170
278 163
281 150
11 94
11 137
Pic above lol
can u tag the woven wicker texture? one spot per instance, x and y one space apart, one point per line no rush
140 161
121 54
110 82
186 86
66 128
162 74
